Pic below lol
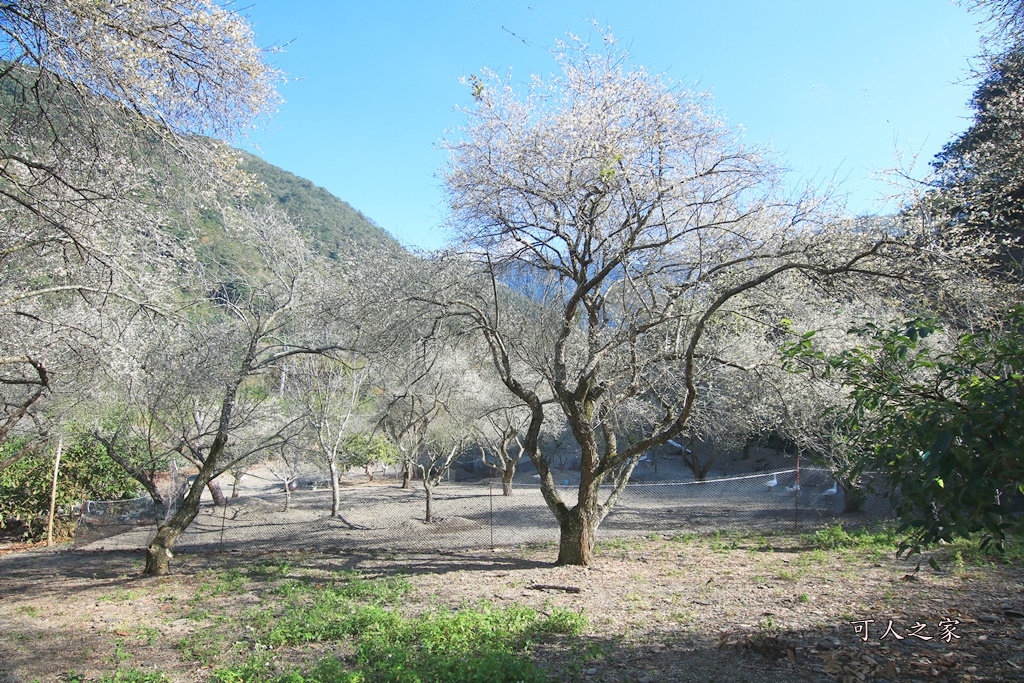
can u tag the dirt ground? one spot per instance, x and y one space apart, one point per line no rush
691 609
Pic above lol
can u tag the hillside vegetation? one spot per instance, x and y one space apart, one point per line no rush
333 225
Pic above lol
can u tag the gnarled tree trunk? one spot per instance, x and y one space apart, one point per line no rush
159 552
578 533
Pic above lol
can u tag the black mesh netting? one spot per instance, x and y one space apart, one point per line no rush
475 514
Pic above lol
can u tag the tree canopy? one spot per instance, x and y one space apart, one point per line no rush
635 229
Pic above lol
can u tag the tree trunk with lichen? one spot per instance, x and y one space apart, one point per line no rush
578 534
159 552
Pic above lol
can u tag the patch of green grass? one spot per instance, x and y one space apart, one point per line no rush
479 644
719 542
636 599
119 655
683 616
198 614
958 562
836 537
563 622
324 622
255 668
809 558
316 612
967 552
217 582
271 570
124 595
203 647
885 541
476 644
149 634
348 586
135 676
617 545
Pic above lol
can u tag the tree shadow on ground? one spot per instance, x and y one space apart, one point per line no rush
29 573
26 574
759 655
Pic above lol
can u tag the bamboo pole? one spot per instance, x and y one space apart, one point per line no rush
53 492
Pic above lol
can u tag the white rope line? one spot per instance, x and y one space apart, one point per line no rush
760 475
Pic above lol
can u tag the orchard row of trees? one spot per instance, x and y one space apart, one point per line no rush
626 271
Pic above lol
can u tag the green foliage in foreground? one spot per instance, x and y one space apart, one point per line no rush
943 426
480 644
85 472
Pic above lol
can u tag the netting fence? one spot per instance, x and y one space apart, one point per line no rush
475 515
100 520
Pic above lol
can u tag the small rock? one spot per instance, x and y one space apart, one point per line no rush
590 672
827 644
647 679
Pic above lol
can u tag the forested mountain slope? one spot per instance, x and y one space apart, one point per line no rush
334 226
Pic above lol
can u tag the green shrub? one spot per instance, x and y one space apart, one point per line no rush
85 472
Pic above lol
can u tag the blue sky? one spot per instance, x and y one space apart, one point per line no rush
835 88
